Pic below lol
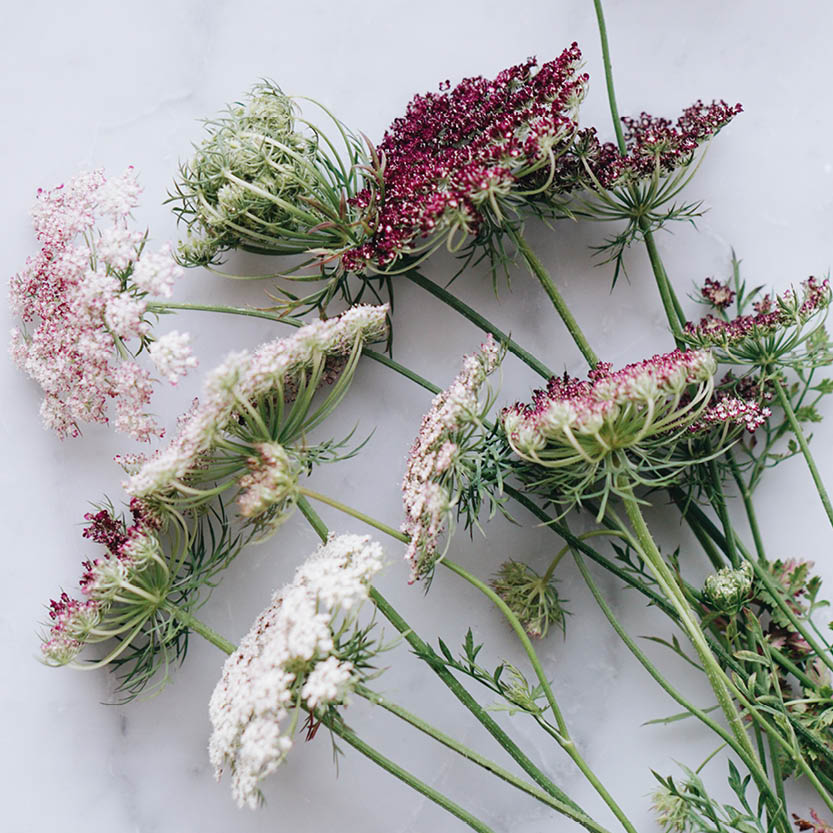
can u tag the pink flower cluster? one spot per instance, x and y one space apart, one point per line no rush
654 145
426 495
771 315
727 410
461 148
81 301
613 409
719 295
129 550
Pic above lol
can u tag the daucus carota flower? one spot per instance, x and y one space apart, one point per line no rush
719 295
458 158
772 335
171 355
728 589
590 438
247 400
436 472
531 597
265 179
298 656
270 482
817 825
119 587
82 302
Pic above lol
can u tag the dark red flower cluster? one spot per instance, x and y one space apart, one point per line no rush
770 315
457 151
653 145
719 295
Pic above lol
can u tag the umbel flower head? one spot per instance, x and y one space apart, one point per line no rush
728 589
266 180
301 655
588 439
255 406
785 330
447 451
533 598
82 301
457 160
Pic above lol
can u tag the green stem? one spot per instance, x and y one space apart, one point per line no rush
423 650
354 513
719 503
749 506
350 737
479 321
669 585
751 762
673 311
476 758
558 302
797 430
381 358
563 735
194 624
566 548
611 92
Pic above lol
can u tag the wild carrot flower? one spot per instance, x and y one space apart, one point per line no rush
255 405
437 470
457 159
620 428
298 656
780 325
265 179
817 825
728 589
82 302
719 295
533 598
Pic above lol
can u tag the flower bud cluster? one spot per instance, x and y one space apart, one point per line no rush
238 386
728 590
82 302
431 475
109 584
257 180
458 154
290 660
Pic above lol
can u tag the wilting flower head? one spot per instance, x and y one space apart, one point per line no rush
773 334
459 157
82 302
619 428
436 471
532 598
297 656
728 589
255 405
265 179
671 810
119 586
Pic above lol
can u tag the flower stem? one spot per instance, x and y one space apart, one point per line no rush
478 320
194 624
749 506
611 92
558 302
426 653
563 735
797 430
668 584
478 759
751 762
354 513
350 737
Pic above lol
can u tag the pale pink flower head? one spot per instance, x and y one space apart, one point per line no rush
82 302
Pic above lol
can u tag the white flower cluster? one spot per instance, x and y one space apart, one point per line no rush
426 500
246 377
286 663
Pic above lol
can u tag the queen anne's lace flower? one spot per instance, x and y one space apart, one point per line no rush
242 381
430 483
171 354
457 154
81 305
289 662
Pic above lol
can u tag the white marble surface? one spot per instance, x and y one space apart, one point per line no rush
93 84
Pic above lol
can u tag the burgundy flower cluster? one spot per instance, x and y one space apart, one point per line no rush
719 295
771 314
653 145
455 151
129 550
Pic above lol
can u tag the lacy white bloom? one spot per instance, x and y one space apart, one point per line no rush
286 663
271 480
246 377
80 306
171 355
425 493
